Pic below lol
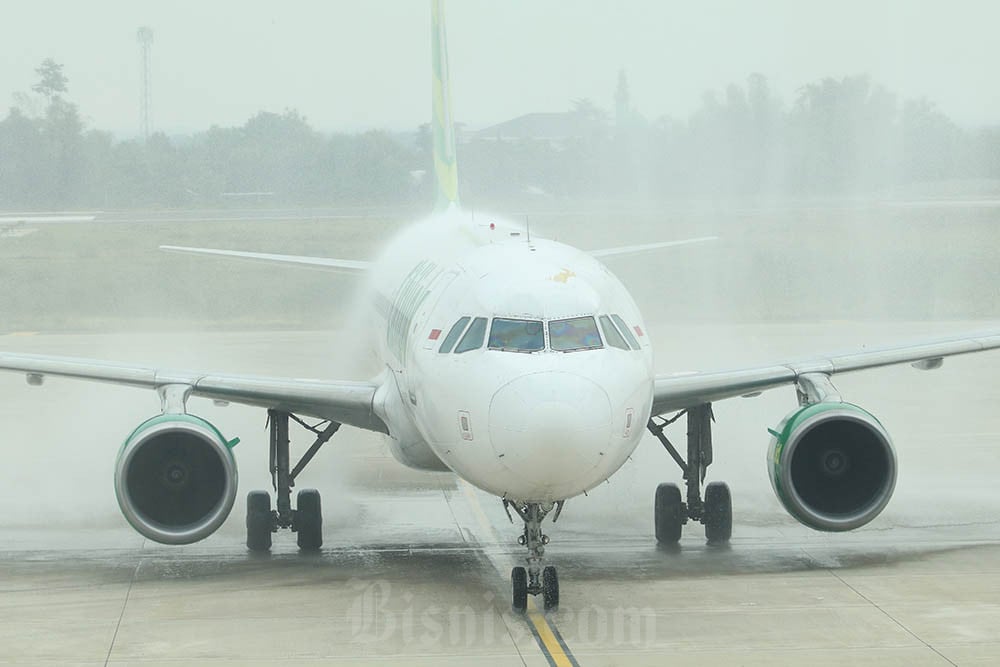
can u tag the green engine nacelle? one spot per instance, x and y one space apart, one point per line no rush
832 465
175 478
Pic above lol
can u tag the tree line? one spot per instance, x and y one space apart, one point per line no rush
837 137
49 158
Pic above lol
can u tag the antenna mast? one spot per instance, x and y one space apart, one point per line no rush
144 36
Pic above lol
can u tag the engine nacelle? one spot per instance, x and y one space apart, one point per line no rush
832 465
175 479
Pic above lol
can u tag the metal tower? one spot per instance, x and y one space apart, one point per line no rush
144 36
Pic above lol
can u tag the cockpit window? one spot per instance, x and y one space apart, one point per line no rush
578 333
611 334
473 338
626 332
516 335
452 337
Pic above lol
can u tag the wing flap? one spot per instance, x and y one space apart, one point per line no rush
82 369
913 353
671 393
344 402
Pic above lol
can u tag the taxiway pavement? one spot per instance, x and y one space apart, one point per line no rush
415 566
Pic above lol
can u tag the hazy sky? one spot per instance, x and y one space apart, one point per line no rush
351 65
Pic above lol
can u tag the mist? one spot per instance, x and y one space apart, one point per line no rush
848 164
327 105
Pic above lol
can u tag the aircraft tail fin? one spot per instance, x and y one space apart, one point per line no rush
443 128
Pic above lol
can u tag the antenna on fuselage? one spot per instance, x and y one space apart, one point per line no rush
527 228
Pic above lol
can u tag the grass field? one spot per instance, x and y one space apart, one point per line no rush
791 263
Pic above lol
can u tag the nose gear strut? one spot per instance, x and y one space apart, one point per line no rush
536 578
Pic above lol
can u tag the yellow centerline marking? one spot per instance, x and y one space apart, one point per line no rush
547 635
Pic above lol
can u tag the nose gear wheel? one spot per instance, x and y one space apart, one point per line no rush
536 578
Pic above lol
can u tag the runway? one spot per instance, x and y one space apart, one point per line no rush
415 566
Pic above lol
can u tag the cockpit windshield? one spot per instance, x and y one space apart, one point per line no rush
473 338
508 334
625 331
578 333
452 337
516 335
611 334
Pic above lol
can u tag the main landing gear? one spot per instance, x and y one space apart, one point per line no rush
715 512
306 520
535 579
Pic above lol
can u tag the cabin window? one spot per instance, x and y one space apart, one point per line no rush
578 333
611 334
626 332
516 335
473 338
453 334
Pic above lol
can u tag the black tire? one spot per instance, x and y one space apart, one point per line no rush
519 590
308 520
718 518
550 588
259 521
668 514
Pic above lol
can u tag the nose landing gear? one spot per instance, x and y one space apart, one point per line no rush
535 579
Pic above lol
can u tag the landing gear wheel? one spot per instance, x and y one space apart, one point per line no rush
259 521
718 517
308 520
519 589
550 588
668 514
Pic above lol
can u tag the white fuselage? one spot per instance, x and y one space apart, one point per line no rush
535 426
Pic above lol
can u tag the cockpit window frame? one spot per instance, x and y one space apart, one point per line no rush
542 341
481 334
625 331
612 336
596 330
610 329
454 334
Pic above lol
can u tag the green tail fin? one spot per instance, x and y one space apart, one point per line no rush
445 162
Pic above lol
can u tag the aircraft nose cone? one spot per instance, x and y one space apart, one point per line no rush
550 430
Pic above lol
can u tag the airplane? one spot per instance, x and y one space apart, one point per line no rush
522 365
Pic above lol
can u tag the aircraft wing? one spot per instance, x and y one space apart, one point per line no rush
645 247
678 392
322 263
343 402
